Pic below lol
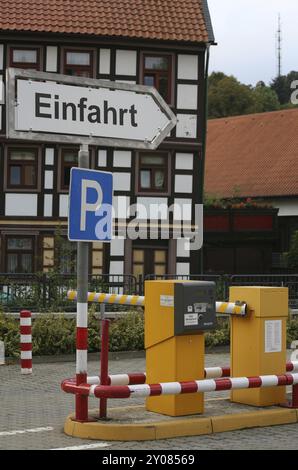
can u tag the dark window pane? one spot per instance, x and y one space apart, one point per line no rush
24 56
159 179
156 63
26 263
66 178
163 87
145 179
149 80
12 263
22 155
15 175
19 244
29 175
77 72
70 157
152 160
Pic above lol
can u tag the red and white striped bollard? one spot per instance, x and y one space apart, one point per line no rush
26 342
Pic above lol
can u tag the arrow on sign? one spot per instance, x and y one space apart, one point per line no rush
51 107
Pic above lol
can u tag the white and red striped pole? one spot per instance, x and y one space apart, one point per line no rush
26 342
81 411
176 388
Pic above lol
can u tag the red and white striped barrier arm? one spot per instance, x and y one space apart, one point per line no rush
177 388
140 378
26 342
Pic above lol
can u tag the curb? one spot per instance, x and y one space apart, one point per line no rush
172 428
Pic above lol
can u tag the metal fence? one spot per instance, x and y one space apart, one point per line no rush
47 292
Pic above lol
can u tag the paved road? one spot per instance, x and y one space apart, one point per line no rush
32 402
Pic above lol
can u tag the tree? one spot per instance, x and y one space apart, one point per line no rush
282 86
228 97
265 99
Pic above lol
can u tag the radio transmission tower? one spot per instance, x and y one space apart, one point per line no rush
279 47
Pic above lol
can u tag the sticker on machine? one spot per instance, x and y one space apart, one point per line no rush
167 301
191 319
273 336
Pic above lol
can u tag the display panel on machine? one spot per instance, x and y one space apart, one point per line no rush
194 307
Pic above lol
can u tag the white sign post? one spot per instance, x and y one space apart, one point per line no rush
60 108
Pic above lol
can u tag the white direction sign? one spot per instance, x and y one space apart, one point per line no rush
52 107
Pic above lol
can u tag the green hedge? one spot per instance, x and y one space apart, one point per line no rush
54 335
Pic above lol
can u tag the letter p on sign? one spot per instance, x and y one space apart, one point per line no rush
90 205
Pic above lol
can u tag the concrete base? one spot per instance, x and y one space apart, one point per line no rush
134 423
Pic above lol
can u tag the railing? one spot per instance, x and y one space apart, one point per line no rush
48 291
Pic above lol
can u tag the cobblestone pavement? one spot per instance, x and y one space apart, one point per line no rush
30 402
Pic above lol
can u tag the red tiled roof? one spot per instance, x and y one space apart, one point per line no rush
256 155
176 20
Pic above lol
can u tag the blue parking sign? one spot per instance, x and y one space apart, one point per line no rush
90 205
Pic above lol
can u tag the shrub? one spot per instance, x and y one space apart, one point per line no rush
292 331
54 334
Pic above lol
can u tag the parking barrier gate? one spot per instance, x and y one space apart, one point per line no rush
232 308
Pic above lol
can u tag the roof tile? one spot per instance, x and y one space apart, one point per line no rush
168 19
257 154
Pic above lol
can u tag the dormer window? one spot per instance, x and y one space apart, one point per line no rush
25 57
78 62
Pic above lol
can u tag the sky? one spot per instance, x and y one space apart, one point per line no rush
245 31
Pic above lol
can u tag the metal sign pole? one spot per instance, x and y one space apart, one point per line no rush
82 310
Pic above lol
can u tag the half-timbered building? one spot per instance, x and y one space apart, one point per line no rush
161 43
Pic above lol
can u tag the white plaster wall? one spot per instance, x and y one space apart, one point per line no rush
117 247
102 158
183 269
104 61
126 62
184 161
116 267
183 247
2 94
122 158
21 204
49 179
183 183
51 61
63 205
187 67
48 205
121 181
186 126
49 156
187 97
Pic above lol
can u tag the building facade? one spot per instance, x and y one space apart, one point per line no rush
260 163
163 46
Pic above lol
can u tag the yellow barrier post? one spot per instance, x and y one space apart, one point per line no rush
258 342
175 319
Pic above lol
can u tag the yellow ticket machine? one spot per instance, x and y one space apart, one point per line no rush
258 342
176 315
